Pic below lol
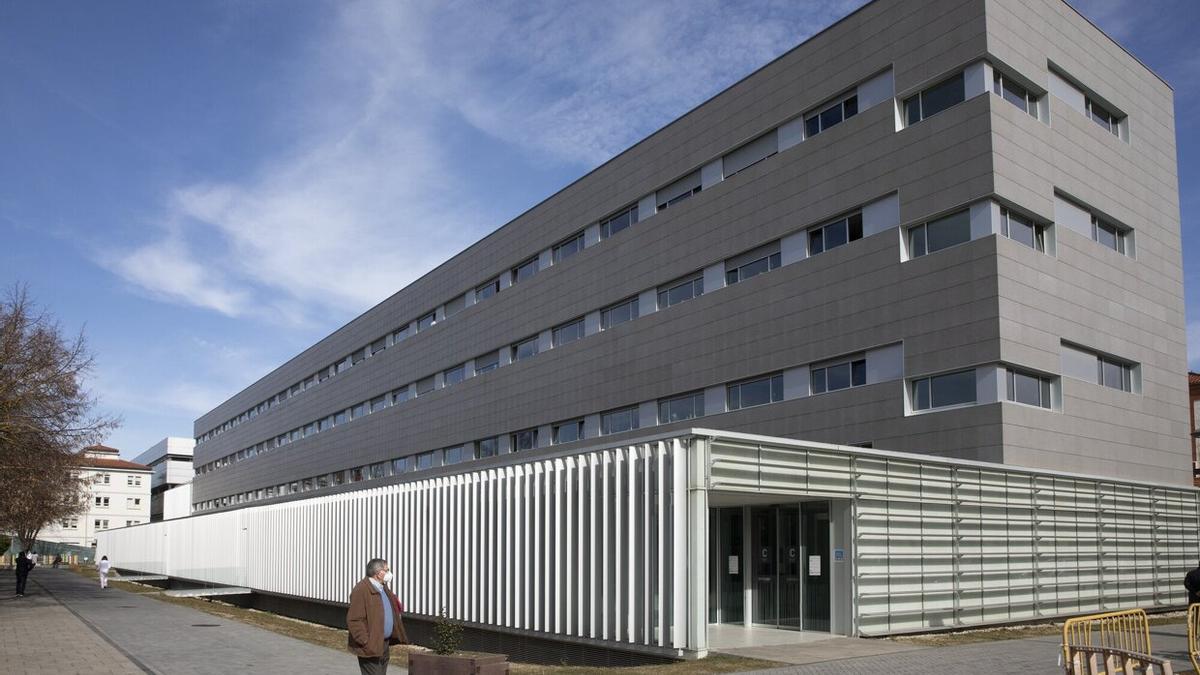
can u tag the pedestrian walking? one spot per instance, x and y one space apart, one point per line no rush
57 561
374 620
24 564
1192 583
103 566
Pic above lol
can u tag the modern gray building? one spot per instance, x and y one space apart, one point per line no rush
171 460
947 229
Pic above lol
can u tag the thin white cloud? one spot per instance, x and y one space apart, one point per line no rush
366 199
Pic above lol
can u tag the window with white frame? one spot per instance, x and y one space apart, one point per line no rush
944 391
568 332
752 264
1027 387
133 502
487 447
487 362
102 502
455 375
525 349
526 439
832 235
525 270
614 223
1110 235
568 248
456 454
933 100
681 291
940 233
679 408
1022 229
1101 115
626 310
100 524
755 391
426 321
487 290
616 421
1009 90
831 115
568 432
842 374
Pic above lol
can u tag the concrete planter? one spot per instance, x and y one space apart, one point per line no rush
428 663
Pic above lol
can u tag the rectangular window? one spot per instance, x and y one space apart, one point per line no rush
1022 229
425 386
1028 388
401 333
686 407
568 432
525 349
337 478
681 292
1114 374
455 375
311 428
837 233
379 403
487 290
831 116
1010 91
759 391
1102 116
751 268
626 310
568 332
339 418
358 411
837 376
454 306
568 248
487 362
426 321
487 447
380 470
525 440
428 460
615 223
936 235
1109 235
940 391
678 191
616 421
102 502
357 474
525 270
935 99
400 466
400 395
378 346
750 154
456 454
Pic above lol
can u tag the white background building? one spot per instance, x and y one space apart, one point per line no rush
119 496
171 461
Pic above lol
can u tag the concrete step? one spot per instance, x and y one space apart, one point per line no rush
206 592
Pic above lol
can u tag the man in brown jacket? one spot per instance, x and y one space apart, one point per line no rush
374 619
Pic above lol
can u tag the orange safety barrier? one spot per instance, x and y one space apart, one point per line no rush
1110 643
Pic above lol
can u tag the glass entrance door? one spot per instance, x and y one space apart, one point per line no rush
726 594
814 518
776 552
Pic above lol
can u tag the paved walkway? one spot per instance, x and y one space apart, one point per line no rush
66 624
1029 655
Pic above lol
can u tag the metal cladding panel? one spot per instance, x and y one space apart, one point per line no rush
942 544
532 546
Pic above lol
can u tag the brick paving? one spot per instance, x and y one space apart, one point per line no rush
66 624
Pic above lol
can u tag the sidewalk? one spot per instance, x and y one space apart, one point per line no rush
1028 655
66 624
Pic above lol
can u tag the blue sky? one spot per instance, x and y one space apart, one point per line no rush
209 188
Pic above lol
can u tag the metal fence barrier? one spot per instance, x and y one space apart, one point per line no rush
1110 643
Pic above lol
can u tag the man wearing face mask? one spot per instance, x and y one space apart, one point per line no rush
374 619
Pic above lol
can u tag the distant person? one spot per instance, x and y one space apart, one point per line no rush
374 620
103 566
24 564
57 561
1192 583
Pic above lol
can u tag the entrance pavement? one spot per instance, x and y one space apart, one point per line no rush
1024 656
67 624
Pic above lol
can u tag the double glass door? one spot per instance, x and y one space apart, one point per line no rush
786 571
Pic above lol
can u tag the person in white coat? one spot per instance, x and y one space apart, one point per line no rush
103 567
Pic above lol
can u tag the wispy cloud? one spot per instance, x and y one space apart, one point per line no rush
367 197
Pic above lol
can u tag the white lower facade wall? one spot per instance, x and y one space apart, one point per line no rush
608 546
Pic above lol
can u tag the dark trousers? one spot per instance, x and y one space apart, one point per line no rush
374 666
21 578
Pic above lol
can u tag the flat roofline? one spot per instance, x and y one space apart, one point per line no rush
554 194
1115 42
615 157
